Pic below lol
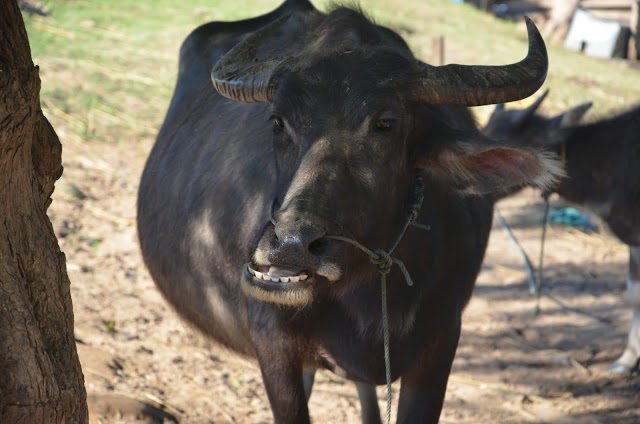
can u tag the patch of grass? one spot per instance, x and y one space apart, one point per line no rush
110 326
108 68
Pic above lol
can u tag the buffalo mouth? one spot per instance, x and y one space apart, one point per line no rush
278 285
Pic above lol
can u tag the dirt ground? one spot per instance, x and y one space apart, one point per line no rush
143 364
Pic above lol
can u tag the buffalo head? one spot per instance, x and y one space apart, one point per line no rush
353 126
529 128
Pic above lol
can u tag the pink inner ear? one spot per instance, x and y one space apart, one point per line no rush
494 169
503 165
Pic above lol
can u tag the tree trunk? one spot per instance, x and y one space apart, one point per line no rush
40 376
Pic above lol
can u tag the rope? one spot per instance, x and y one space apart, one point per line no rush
535 284
535 281
383 260
538 288
525 258
380 258
545 218
385 334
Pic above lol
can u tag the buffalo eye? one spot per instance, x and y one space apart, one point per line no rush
278 124
385 125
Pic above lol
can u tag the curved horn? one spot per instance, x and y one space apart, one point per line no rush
238 76
461 85
521 116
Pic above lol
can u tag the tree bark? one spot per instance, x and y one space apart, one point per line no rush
40 376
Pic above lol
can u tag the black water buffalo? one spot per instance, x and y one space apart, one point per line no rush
603 174
315 139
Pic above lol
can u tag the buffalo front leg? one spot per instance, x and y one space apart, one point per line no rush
308 377
423 389
628 361
368 403
281 365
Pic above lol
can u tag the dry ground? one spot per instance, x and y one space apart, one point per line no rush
141 363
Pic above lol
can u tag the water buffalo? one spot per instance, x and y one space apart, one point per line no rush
602 174
257 194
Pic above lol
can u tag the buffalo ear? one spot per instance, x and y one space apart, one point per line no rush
563 125
493 169
573 117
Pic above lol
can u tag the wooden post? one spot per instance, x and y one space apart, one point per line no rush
633 51
557 26
438 50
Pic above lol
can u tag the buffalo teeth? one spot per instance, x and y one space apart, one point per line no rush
266 277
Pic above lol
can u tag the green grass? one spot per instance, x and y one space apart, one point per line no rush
108 68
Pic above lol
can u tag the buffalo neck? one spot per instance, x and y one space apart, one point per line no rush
597 156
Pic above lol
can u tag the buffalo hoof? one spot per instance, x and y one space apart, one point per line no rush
625 364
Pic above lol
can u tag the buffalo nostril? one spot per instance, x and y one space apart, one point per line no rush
299 239
318 247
